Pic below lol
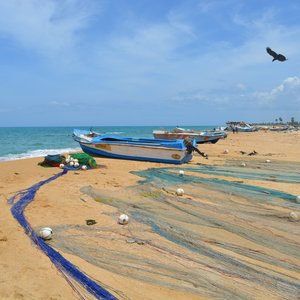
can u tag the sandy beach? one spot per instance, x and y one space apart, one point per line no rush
222 239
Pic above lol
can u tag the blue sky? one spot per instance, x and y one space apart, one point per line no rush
129 62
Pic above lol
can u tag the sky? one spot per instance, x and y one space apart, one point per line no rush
148 62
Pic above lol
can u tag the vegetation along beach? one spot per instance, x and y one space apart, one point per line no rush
149 150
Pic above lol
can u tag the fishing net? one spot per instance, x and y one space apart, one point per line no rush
221 238
84 159
52 160
257 170
68 270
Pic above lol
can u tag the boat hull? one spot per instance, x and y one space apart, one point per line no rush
200 139
244 129
137 152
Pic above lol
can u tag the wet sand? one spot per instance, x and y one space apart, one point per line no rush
229 236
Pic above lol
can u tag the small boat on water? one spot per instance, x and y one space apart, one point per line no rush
200 137
144 149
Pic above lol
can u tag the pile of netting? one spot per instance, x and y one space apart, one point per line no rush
84 159
52 160
74 161
67 269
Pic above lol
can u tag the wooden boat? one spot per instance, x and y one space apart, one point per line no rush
279 128
85 134
199 136
155 150
240 127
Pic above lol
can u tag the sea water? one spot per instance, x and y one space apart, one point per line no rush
25 142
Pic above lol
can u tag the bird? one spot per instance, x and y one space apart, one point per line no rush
276 56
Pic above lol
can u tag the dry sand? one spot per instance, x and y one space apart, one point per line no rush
174 271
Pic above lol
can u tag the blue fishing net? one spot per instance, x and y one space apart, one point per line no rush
64 266
277 172
169 176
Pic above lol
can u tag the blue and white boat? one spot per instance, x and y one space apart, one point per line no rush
240 127
144 149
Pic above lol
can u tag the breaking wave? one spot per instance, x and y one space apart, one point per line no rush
37 153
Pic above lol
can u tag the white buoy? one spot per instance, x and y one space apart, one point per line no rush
268 161
46 233
75 160
294 216
71 163
226 151
180 192
76 164
84 167
67 160
181 172
298 199
61 166
123 219
243 165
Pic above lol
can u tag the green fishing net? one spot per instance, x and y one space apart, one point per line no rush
84 159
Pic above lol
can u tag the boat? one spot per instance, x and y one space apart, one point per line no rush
279 128
134 148
85 134
201 137
240 127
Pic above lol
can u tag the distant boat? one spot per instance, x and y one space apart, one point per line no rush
245 128
279 128
153 150
85 134
240 127
200 137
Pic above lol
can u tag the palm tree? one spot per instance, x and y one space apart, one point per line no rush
292 120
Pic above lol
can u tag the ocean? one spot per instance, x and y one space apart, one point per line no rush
26 142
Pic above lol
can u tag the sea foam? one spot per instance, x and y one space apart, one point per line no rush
37 153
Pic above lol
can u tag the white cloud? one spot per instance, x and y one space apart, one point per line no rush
156 41
211 55
212 97
293 82
287 93
60 104
283 98
45 26
241 86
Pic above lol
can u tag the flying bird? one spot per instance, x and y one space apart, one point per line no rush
276 56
